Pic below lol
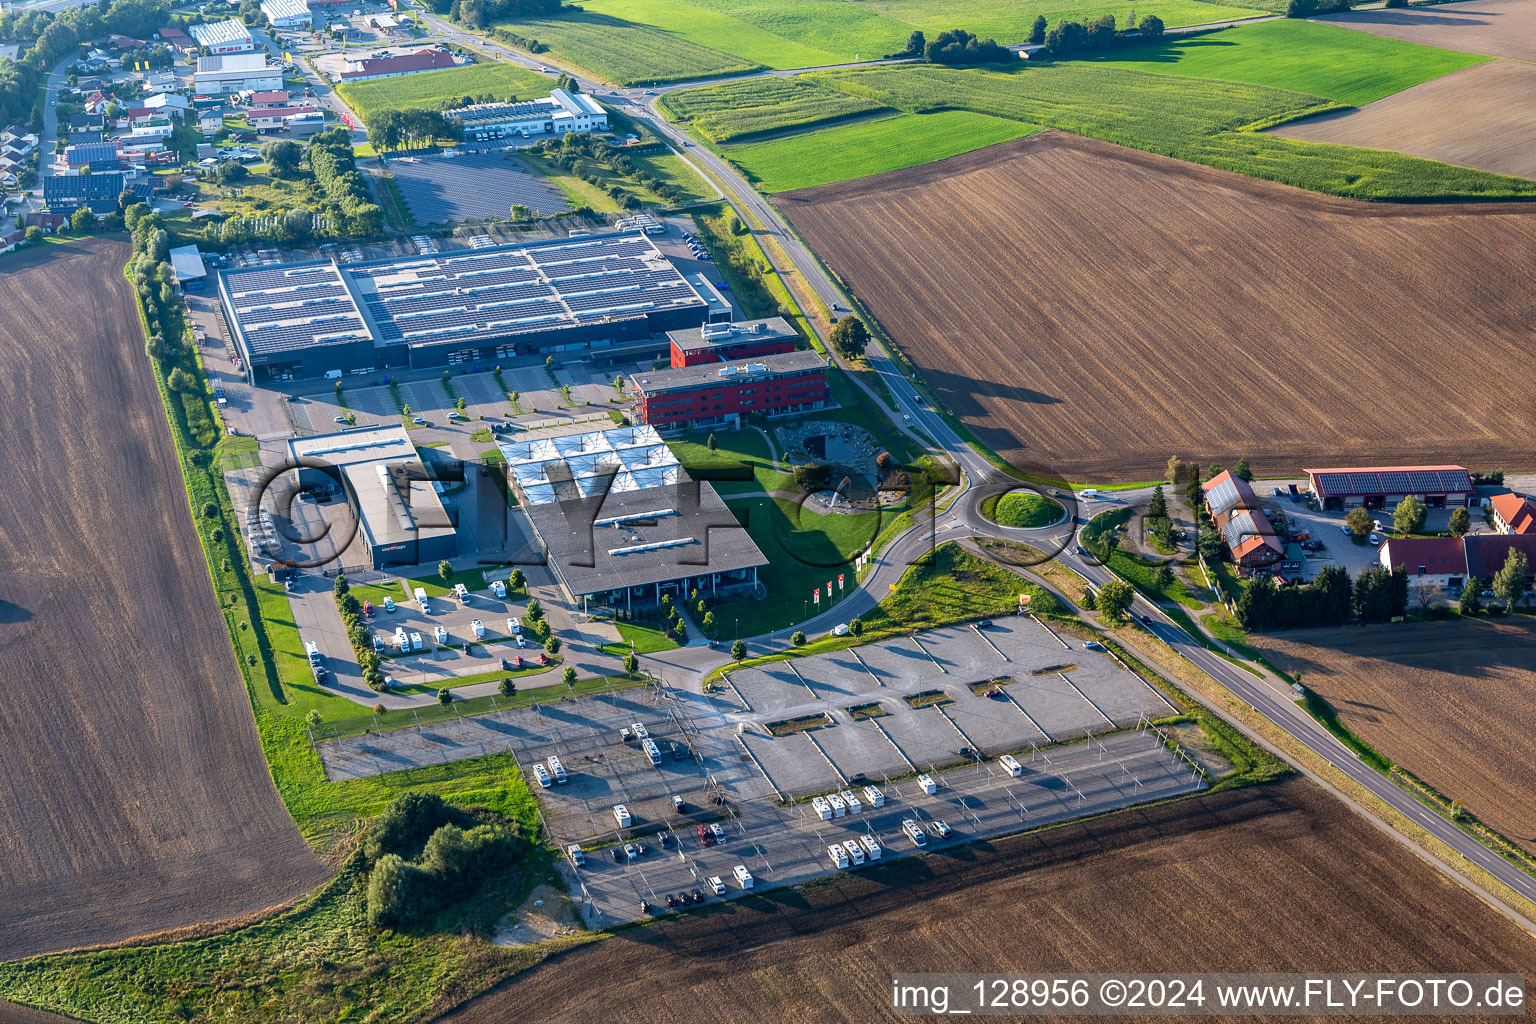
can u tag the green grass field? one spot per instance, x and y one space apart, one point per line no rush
1205 121
738 110
740 463
626 52
695 38
1338 64
869 147
429 89
1023 510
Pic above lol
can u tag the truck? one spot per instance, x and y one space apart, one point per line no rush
855 851
838 807
928 785
422 602
871 847
854 807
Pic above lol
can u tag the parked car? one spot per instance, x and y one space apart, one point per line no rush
389 604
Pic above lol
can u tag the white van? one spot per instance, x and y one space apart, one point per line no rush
838 807
854 807
929 786
871 847
743 876
540 773
874 796
823 809
838 857
312 652
717 885
855 851
421 599
557 770
621 815
653 752
1013 767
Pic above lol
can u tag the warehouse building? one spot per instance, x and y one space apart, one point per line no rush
469 307
727 342
288 15
1382 487
221 37
66 193
1449 562
1242 522
712 395
401 518
623 524
392 65
558 113
237 72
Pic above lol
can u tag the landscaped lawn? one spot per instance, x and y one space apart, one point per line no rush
869 147
1335 63
1024 510
954 584
740 463
626 52
641 637
429 89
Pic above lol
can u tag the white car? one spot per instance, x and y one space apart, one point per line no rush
479 629
1376 539
520 641
389 604
630 853
940 829
440 634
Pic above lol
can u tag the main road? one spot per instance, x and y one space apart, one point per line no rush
961 517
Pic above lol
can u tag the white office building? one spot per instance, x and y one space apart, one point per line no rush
558 113
236 72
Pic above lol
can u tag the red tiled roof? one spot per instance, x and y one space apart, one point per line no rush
1515 511
1486 553
1436 556
423 60
275 98
175 37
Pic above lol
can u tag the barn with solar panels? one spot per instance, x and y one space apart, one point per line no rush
623 523
470 307
1242 522
1382 487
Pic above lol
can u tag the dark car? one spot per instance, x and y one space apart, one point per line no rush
618 856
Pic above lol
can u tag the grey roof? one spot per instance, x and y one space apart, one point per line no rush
187 264
468 296
771 328
371 461
655 382
676 531
220 33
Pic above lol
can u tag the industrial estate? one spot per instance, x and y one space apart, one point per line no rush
624 510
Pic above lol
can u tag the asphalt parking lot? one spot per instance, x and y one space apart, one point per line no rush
788 845
476 186
1039 691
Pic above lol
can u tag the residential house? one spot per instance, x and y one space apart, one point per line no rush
1512 513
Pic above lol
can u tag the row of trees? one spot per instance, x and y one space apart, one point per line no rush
957 47
331 161
359 634
572 148
392 129
1075 38
480 13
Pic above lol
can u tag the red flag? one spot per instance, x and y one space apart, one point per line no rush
839 581
816 595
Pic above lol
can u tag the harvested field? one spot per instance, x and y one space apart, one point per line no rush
1454 703
1088 309
1482 117
136 796
1499 28
1279 878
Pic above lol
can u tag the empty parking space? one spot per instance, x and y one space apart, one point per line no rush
479 186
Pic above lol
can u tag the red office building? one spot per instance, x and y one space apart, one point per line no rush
724 343
712 395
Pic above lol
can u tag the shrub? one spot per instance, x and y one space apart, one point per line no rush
445 696
552 646
568 677
797 638
507 687
631 663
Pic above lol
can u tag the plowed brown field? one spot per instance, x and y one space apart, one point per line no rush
1091 309
1277 878
1483 117
135 796
1499 28
1454 703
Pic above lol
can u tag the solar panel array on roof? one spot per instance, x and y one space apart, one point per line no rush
1407 480
1222 497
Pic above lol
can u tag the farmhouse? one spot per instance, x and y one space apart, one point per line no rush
272 117
288 14
719 343
1382 487
222 37
1440 561
176 39
712 395
238 72
1242 522
583 295
401 519
558 113
1512 513
623 523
